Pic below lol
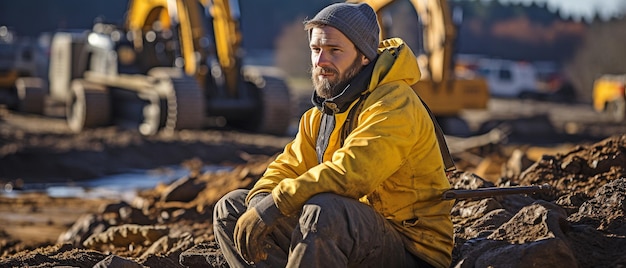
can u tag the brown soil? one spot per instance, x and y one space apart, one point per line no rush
579 223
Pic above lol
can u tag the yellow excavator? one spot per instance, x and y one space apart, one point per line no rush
445 94
609 96
174 64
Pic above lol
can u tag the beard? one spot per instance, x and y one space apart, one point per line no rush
328 88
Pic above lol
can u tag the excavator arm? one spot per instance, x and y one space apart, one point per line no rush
225 20
179 16
187 20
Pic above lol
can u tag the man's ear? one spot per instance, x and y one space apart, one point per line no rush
364 60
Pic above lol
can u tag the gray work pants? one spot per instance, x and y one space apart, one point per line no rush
330 231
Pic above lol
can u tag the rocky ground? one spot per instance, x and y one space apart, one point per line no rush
578 223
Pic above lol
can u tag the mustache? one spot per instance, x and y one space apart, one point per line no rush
324 70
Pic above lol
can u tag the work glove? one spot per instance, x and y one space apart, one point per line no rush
252 229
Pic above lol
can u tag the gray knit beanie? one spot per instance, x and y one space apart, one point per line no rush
357 21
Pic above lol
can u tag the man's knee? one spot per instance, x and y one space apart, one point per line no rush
325 211
336 210
231 203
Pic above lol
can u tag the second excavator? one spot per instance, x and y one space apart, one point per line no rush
174 64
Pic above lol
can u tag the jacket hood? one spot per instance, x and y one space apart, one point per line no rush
395 62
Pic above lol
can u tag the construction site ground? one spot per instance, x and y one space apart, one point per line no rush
580 153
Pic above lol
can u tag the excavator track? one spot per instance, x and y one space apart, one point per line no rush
184 100
276 106
131 108
139 110
274 99
88 106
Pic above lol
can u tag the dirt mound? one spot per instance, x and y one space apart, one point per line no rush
578 224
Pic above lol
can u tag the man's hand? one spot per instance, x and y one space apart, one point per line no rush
252 229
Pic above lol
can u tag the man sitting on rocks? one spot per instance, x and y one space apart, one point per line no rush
361 183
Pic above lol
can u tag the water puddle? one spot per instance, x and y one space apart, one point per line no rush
120 186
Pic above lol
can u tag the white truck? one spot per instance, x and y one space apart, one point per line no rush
509 79
526 80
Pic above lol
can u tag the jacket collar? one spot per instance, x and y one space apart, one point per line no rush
352 90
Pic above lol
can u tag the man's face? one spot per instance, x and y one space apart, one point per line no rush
334 60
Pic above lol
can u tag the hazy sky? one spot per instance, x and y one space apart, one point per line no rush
582 8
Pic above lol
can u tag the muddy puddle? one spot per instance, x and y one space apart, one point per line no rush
123 186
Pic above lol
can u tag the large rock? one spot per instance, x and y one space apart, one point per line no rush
203 255
606 209
125 235
113 261
184 189
552 252
527 239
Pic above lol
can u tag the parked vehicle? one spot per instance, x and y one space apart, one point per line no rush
509 79
526 80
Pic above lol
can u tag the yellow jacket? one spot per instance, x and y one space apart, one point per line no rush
390 161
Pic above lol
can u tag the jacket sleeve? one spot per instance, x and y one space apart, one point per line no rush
374 150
